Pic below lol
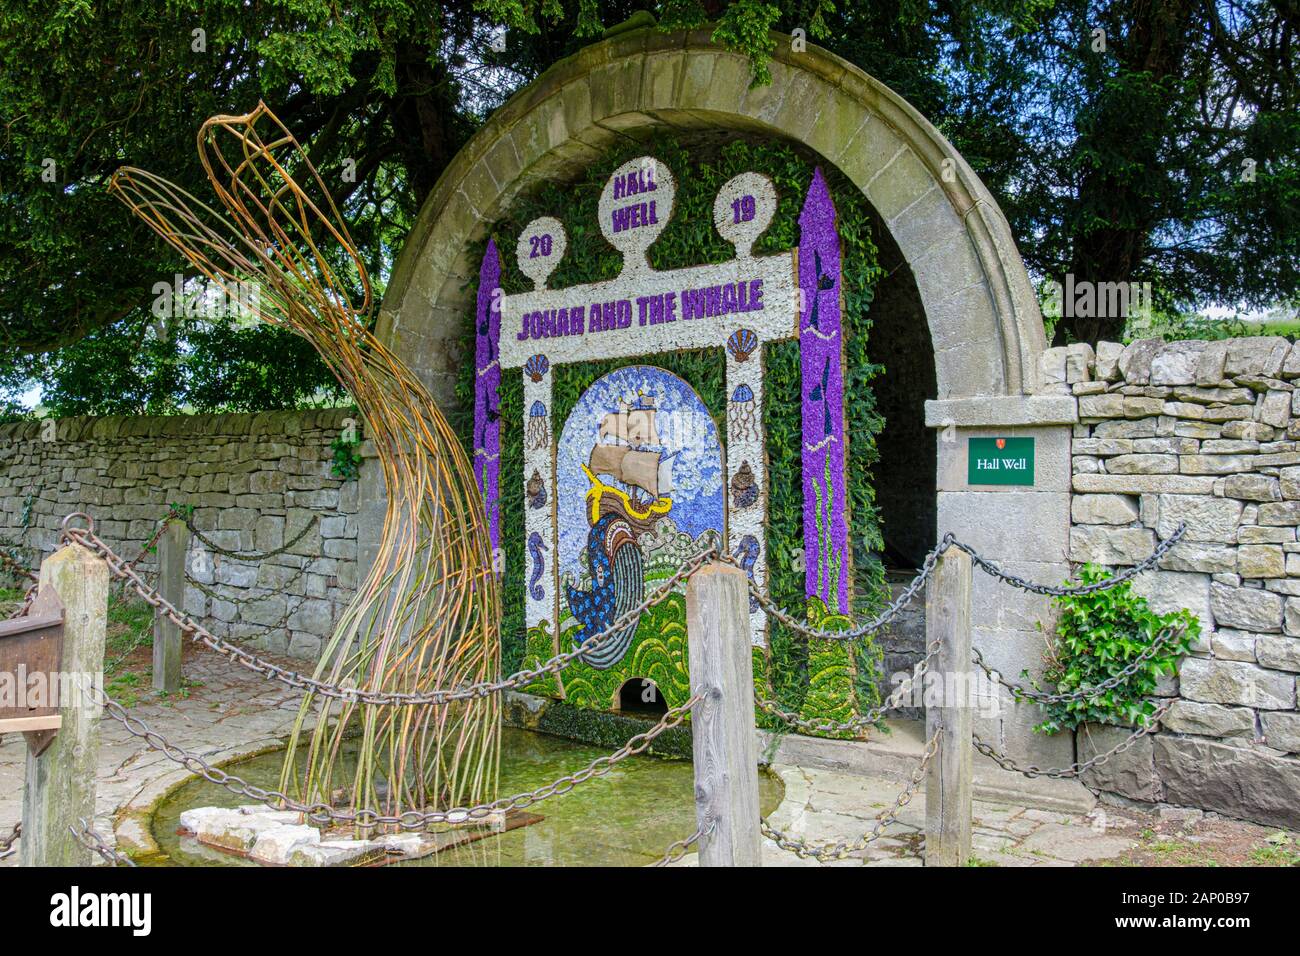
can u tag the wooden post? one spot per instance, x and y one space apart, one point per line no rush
59 788
172 548
722 726
948 784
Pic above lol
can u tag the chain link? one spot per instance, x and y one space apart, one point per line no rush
1075 769
677 851
861 721
825 852
249 556
988 567
409 820
927 568
12 563
7 843
26 604
861 630
16 566
1021 692
92 841
172 515
271 671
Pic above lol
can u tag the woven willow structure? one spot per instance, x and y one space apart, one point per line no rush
428 614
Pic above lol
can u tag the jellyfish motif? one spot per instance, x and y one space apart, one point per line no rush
744 489
538 434
537 366
741 344
742 414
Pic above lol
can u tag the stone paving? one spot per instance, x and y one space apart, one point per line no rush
828 805
229 711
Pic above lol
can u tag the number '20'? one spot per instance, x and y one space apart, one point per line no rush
540 246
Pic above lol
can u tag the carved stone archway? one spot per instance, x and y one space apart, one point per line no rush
983 316
979 305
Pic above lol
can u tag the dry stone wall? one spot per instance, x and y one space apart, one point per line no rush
1206 433
255 481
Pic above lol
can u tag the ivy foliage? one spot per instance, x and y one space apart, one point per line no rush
347 456
1097 636
688 239
198 365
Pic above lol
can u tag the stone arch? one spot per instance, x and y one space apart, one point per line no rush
979 306
983 316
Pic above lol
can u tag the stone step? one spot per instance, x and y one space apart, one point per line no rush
894 755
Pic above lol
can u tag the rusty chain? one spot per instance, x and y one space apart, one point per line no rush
172 514
26 604
1021 692
861 721
1075 769
7 843
14 565
87 836
824 852
271 671
676 852
409 820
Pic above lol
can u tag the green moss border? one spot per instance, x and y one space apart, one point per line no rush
817 680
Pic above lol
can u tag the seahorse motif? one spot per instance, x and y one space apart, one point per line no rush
535 547
746 554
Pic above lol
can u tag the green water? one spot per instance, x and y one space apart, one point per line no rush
626 818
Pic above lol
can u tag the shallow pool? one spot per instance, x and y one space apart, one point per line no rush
626 818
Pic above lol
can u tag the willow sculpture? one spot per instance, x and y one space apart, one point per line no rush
427 615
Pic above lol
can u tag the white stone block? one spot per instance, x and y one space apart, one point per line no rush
275 846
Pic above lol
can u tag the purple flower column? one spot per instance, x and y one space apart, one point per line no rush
825 490
487 411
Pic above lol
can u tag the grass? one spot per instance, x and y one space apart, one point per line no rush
1278 850
130 625
9 598
128 673
1223 844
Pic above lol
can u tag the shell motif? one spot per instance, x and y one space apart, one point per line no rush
537 366
741 344
744 488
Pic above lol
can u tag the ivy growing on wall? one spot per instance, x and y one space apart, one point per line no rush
691 239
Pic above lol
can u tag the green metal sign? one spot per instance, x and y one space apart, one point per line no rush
1000 461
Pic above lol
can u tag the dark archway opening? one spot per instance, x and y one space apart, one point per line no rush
906 474
640 695
907 471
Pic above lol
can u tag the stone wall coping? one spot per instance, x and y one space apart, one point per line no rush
99 428
1002 411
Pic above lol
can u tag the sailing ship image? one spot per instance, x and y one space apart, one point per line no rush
630 472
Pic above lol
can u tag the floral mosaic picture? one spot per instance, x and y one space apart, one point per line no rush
638 476
640 472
